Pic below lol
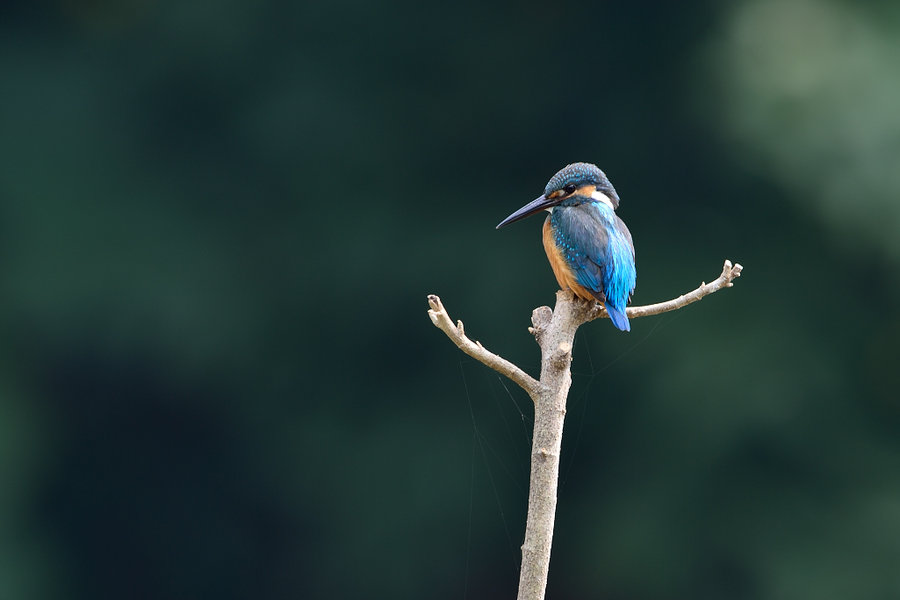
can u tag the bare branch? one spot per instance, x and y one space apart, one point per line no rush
456 333
554 330
726 279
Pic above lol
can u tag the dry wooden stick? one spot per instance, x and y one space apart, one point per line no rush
554 331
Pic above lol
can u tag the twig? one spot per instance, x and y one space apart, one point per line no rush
726 279
457 335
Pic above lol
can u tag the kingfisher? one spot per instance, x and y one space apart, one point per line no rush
589 247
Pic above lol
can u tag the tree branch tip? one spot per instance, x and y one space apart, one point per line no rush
459 326
731 270
435 303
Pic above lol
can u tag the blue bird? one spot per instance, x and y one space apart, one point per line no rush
589 247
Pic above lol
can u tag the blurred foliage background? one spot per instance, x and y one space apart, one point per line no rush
219 224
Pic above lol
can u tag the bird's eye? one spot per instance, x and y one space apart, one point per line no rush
569 189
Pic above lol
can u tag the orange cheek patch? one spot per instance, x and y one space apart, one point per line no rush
586 190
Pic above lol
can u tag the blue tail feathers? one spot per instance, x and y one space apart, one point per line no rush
617 317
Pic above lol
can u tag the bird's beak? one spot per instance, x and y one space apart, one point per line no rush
536 205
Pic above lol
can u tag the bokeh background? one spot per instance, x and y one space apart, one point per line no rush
219 224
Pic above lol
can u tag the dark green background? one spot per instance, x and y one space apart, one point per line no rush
219 225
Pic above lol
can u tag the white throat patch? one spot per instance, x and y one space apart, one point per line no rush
601 197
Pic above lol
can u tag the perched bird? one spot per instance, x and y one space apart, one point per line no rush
589 247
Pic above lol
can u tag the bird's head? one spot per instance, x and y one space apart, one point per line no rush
578 181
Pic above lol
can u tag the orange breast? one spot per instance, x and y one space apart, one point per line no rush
564 275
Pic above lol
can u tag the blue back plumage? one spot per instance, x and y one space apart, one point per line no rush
597 246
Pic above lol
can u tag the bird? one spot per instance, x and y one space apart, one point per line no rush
589 247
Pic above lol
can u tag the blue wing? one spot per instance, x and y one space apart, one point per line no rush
598 247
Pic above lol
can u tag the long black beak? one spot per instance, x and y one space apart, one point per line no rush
536 205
